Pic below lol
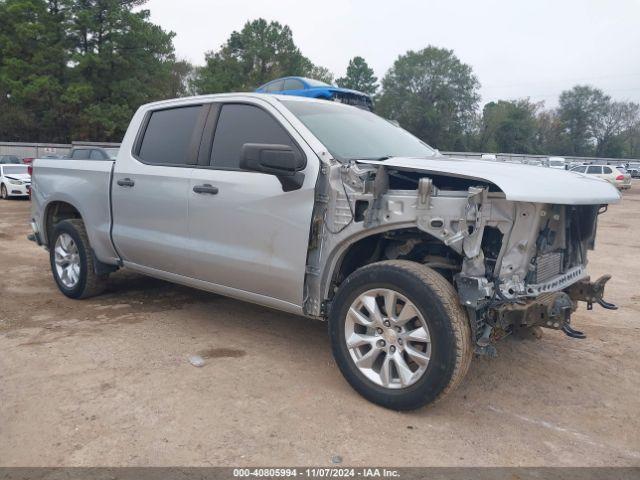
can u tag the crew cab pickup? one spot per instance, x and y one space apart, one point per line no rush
329 211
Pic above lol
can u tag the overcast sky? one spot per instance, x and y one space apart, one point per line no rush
517 48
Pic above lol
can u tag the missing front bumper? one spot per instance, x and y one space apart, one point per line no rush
553 309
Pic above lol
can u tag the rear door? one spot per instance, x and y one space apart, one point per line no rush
595 170
247 233
150 190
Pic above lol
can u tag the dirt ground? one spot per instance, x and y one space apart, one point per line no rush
106 381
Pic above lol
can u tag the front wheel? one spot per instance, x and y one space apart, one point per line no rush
73 262
3 192
399 334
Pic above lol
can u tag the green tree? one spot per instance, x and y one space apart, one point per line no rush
120 60
359 77
258 53
78 69
320 73
579 110
432 94
611 128
33 60
551 137
509 126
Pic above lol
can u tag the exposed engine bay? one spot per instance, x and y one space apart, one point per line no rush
514 264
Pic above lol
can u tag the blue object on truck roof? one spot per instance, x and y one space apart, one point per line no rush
308 87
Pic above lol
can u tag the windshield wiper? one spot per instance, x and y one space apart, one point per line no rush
374 159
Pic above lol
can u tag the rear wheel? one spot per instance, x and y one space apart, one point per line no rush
73 262
3 192
399 334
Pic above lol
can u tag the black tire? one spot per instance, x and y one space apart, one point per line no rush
447 321
3 192
89 283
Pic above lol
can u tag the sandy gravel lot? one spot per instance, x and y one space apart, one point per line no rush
106 381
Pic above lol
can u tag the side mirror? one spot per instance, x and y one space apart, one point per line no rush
283 161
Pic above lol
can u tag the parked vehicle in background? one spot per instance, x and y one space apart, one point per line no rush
308 87
9 160
607 172
15 181
634 172
489 156
93 153
557 162
416 260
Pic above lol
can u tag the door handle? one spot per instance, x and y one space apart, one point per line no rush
206 188
126 182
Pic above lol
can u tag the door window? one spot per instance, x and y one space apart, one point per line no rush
239 124
293 84
96 155
81 154
594 170
274 86
606 170
168 136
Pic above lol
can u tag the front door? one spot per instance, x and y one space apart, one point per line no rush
246 232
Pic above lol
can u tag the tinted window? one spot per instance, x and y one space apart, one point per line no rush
81 154
293 84
579 169
168 135
606 170
96 155
595 170
274 86
240 124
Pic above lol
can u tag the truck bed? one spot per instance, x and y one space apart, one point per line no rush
85 184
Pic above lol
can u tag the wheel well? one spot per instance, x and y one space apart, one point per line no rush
57 212
405 244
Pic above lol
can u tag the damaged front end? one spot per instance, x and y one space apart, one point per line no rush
538 275
515 264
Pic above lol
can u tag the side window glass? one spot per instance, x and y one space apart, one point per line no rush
293 84
239 124
96 155
274 86
594 170
80 154
606 170
168 135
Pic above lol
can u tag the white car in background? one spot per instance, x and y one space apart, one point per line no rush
558 163
15 181
622 180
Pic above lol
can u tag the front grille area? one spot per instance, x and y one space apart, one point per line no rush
548 265
352 99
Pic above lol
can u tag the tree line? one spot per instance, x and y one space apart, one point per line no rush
78 69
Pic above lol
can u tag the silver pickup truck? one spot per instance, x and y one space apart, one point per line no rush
416 260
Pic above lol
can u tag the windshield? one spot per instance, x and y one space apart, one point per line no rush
351 133
15 170
112 152
316 83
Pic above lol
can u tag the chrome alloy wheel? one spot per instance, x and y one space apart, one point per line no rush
67 259
388 338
